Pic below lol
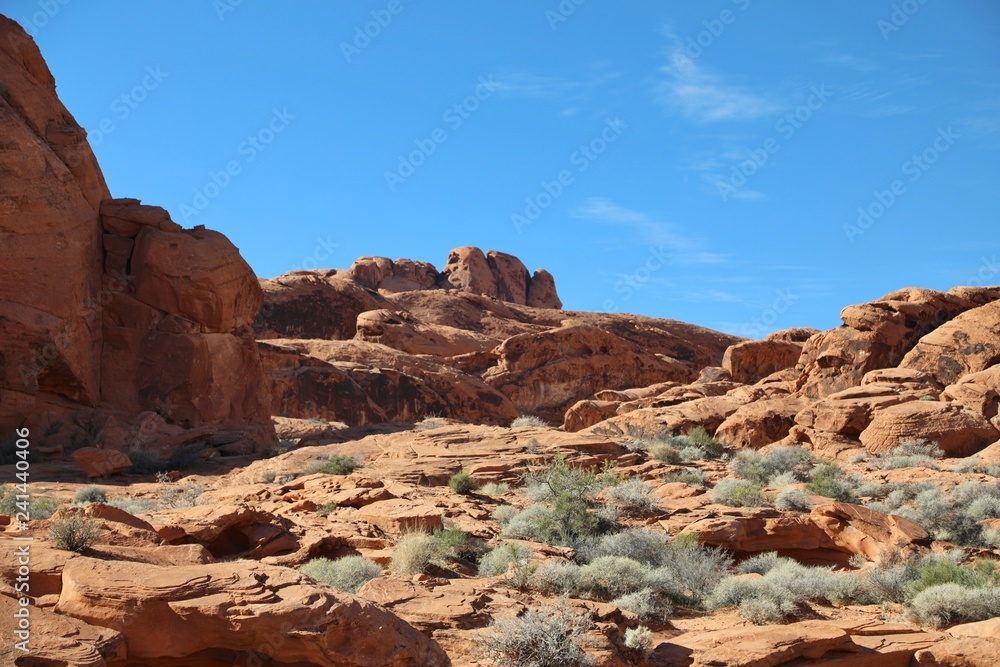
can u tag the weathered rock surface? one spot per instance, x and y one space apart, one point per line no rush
760 423
957 431
252 609
967 344
753 360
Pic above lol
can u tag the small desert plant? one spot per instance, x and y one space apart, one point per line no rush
967 465
828 480
326 509
528 420
611 576
640 544
36 507
547 636
633 497
74 532
689 571
665 453
947 604
494 488
498 560
91 494
761 563
700 437
644 604
910 454
463 483
414 553
504 513
348 574
268 476
738 493
791 461
694 477
793 501
279 448
335 464
557 577
145 461
639 639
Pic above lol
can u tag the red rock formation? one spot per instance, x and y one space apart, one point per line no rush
110 308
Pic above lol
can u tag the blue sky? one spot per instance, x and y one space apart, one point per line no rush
743 165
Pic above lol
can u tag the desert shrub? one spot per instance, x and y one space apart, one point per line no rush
738 493
145 461
761 563
991 538
947 604
431 421
454 542
498 560
689 571
279 448
91 494
700 438
640 544
462 482
557 577
74 532
414 553
495 488
335 464
694 477
828 480
326 509
665 453
793 462
633 497
967 465
611 576
541 637
186 456
793 501
132 505
644 604
183 496
993 470
504 513
639 639
37 507
909 454
778 594
268 476
347 574
937 571
528 420
566 517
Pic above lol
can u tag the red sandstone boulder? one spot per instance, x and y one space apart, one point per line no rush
967 344
750 361
760 423
96 462
957 431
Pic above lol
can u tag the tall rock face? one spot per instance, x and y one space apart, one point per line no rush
51 190
107 307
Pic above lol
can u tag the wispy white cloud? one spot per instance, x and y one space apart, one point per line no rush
691 90
679 247
572 94
849 60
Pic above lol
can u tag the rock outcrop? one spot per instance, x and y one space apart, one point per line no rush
110 309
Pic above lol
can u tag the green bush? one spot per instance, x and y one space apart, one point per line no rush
937 571
910 454
792 462
633 497
779 593
528 420
793 501
557 577
948 604
700 437
495 489
665 453
645 604
347 574
693 477
611 576
74 532
541 637
761 563
91 494
639 639
38 507
738 493
498 560
829 481
463 483
689 571
335 464
504 513
414 553
145 461
640 544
